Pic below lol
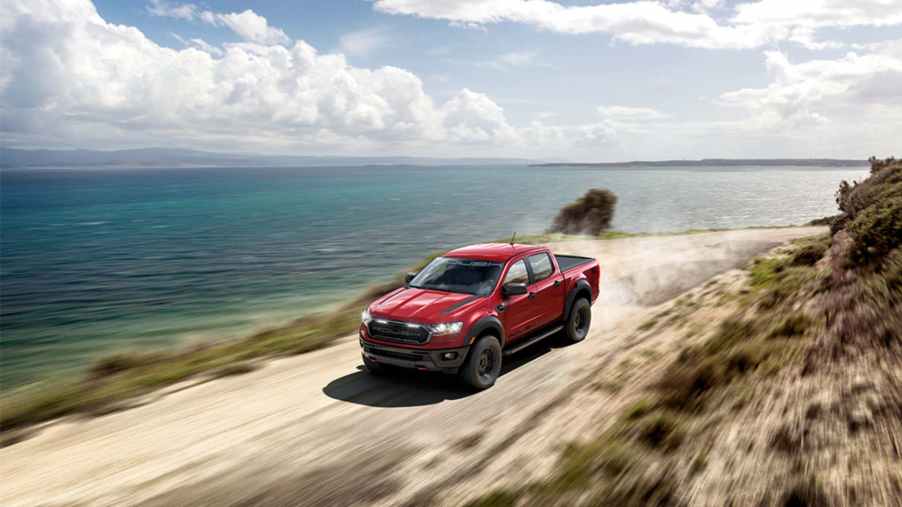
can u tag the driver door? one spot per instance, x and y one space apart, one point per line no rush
518 315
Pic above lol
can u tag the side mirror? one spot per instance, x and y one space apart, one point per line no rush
408 277
514 289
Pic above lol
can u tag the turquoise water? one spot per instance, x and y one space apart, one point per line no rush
99 259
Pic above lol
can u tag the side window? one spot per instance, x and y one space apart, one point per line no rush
517 273
541 266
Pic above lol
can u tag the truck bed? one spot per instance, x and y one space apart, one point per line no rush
566 262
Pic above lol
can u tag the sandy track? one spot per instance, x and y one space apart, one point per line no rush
314 429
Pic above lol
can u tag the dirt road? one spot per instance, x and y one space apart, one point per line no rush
316 430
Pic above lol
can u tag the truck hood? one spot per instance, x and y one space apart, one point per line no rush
422 305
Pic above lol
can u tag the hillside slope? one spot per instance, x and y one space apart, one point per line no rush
784 389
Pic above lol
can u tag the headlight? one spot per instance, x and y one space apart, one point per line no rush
365 316
446 328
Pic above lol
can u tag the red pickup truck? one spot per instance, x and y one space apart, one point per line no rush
470 307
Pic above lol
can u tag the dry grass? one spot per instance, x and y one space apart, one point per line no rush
113 380
657 446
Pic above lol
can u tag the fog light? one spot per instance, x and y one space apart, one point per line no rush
447 356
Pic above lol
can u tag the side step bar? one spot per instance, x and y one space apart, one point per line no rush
520 346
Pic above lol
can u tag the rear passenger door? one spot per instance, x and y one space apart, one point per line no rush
546 290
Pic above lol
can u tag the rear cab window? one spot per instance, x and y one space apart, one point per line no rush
541 266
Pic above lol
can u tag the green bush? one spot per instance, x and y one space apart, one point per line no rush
661 431
810 251
857 196
791 326
877 230
878 164
872 212
591 213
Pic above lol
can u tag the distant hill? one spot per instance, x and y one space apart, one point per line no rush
165 157
717 162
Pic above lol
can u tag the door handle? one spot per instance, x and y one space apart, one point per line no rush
532 295
557 283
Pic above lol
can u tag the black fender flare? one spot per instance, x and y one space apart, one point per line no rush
581 289
487 323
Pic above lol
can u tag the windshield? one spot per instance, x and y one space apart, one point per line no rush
458 275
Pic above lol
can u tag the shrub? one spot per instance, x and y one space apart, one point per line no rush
730 333
810 252
118 363
832 219
877 164
805 492
234 369
591 213
791 326
661 431
877 230
872 212
855 197
498 498
640 409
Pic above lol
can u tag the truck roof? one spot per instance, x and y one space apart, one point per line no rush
493 251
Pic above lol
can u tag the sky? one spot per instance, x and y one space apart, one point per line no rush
584 80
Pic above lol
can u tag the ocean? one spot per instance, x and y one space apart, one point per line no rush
97 260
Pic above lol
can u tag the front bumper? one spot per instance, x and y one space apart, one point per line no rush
446 360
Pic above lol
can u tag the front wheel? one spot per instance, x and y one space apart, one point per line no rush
578 324
483 365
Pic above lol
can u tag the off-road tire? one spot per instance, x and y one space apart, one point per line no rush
577 326
483 365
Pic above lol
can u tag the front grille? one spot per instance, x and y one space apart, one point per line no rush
398 331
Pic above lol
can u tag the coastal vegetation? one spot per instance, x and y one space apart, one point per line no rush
592 214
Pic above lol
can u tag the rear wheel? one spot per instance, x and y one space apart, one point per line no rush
483 365
580 319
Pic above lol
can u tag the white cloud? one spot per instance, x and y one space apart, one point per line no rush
364 42
68 76
170 10
249 26
631 119
512 59
694 5
517 58
681 22
474 117
820 13
595 137
198 44
629 113
642 22
820 91
847 105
